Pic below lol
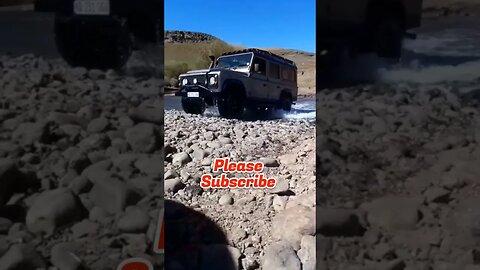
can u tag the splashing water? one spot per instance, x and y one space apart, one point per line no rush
303 110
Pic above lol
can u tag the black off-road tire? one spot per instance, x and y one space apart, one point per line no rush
95 47
388 38
286 102
232 104
193 105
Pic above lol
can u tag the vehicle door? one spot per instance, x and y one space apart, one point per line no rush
289 80
275 85
259 80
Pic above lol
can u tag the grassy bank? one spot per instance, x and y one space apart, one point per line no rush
181 57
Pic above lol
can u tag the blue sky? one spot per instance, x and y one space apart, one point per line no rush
286 24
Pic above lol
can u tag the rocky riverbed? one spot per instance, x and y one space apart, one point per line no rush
398 177
256 228
81 170
82 158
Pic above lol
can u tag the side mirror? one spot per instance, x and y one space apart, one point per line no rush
256 68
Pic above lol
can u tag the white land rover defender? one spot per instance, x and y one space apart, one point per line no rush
247 79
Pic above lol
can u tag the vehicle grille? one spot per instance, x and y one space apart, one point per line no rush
200 80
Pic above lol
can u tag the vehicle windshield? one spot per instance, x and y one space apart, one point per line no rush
234 61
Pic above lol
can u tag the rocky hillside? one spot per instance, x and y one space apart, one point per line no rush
187 37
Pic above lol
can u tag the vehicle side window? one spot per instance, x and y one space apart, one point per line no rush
288 74
274 71
262 66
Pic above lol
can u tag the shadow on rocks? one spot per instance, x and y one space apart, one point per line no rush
194 242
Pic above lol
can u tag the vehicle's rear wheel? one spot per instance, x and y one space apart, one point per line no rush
94 47
388 38
286 102
232 104
193 105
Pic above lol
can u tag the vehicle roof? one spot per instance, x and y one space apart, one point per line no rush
265 54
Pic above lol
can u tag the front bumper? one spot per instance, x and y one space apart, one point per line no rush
76 28
203 92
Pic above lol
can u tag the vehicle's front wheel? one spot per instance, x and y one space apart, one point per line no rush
232 104
193 105
388 38
94 47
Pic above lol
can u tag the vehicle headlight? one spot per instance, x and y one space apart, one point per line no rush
184 81
213 80
195 81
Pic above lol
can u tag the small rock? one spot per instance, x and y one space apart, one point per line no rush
249 263
84 228
96 74
148 114
11 180
279 203
199 154
269 162
80 184
339 223
94 142
405 216
288 159
53 209
282 187
180 159
307 252
5 225
135 220
98 214
150 165
170 174
71 130
98 171
64 258
225 140
143 138
113 195
125 161
29 133
292 224
280 256
135 243
97 125
225 200
380 251
209 135
22 256
437 195
173 185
